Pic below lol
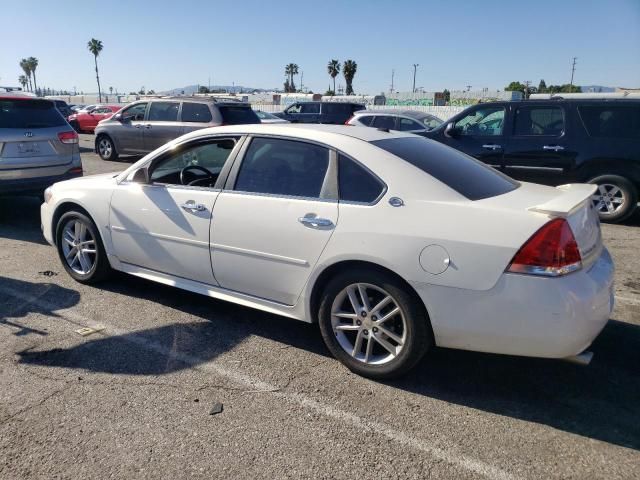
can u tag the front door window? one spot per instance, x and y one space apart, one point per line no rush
485 121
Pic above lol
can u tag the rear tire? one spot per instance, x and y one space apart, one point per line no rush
349 325
80 248
106 148
616 198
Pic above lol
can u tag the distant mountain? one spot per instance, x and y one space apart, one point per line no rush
191 89
597 89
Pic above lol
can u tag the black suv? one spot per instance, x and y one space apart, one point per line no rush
320 112
557 141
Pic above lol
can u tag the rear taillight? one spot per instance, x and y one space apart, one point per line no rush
68 137
349 119
552 251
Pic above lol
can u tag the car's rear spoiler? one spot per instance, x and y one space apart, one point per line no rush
572 197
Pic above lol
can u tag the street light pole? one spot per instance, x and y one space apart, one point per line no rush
415 67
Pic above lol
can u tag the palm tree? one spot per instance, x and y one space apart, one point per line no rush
333 67
22 79
111 90
349 68
33 64
291 70
26 68
95 47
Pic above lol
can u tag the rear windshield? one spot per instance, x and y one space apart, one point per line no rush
465 175
237 115
29 114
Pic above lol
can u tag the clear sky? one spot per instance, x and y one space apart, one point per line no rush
168 44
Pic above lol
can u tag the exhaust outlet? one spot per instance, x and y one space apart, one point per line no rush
583 358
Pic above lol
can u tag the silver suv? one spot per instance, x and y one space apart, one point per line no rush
145 125
37 146
404 120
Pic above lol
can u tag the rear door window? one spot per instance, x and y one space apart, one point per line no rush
611 121
238 115
196 112
407 125
539 121
365 119
29 114
384 121
163 111
467 176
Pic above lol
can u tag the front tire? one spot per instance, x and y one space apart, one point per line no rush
373 323
80 248
106 148
616 198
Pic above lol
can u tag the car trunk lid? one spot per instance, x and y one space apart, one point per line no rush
31 148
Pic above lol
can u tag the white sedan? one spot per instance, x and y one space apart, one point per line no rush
392 242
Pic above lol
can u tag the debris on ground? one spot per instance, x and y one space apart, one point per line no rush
217 408
48 273
86 331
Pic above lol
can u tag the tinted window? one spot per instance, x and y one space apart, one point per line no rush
460 172
611 121
310 108
365 119
336 107
384 121
486 121
196 112
539 121
406 124
238 115
29 114
283 167
163 111
211 155
134 112
356 108
356 184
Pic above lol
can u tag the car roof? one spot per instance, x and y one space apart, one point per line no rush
389 111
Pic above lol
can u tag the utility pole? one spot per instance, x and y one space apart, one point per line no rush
392 75
526 89
573 70
469 87
301 78
415 67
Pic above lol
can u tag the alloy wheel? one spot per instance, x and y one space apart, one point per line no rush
78 247
608 199
105 148
368 323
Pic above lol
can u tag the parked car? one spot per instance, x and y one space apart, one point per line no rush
266 117
320 112
392 242
143 126
63 108
558 141
77 108
410 121
87 121
37 146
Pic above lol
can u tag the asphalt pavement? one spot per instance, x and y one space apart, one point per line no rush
135 399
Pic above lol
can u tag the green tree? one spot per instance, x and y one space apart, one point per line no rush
290 70
447 95
151 92
22 79
515 87
33 64
26 68
203 89
111 90
349 68
333 67
95 47
542 87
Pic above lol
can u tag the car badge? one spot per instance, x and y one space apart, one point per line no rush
28 134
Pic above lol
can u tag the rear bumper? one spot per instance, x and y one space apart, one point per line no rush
523 314
34 185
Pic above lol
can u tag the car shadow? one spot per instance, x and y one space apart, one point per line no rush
599 401
20 219
14 306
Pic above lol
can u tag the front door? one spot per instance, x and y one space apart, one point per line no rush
539 149
128 132
162 124
480 133
164 225
272 223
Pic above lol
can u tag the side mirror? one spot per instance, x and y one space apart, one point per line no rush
450 130
119 117
141 176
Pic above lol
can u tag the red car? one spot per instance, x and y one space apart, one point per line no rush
86 121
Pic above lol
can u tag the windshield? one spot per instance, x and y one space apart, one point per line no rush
29 114
462 173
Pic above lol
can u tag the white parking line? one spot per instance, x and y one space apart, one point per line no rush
450 455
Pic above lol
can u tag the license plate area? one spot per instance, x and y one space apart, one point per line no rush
28 148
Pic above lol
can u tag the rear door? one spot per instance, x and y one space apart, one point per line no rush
29 137
480 133
162 124
539 148
195 116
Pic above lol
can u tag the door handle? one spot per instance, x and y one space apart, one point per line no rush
193 206
492 146
555 148
148 125
138 126
315 222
